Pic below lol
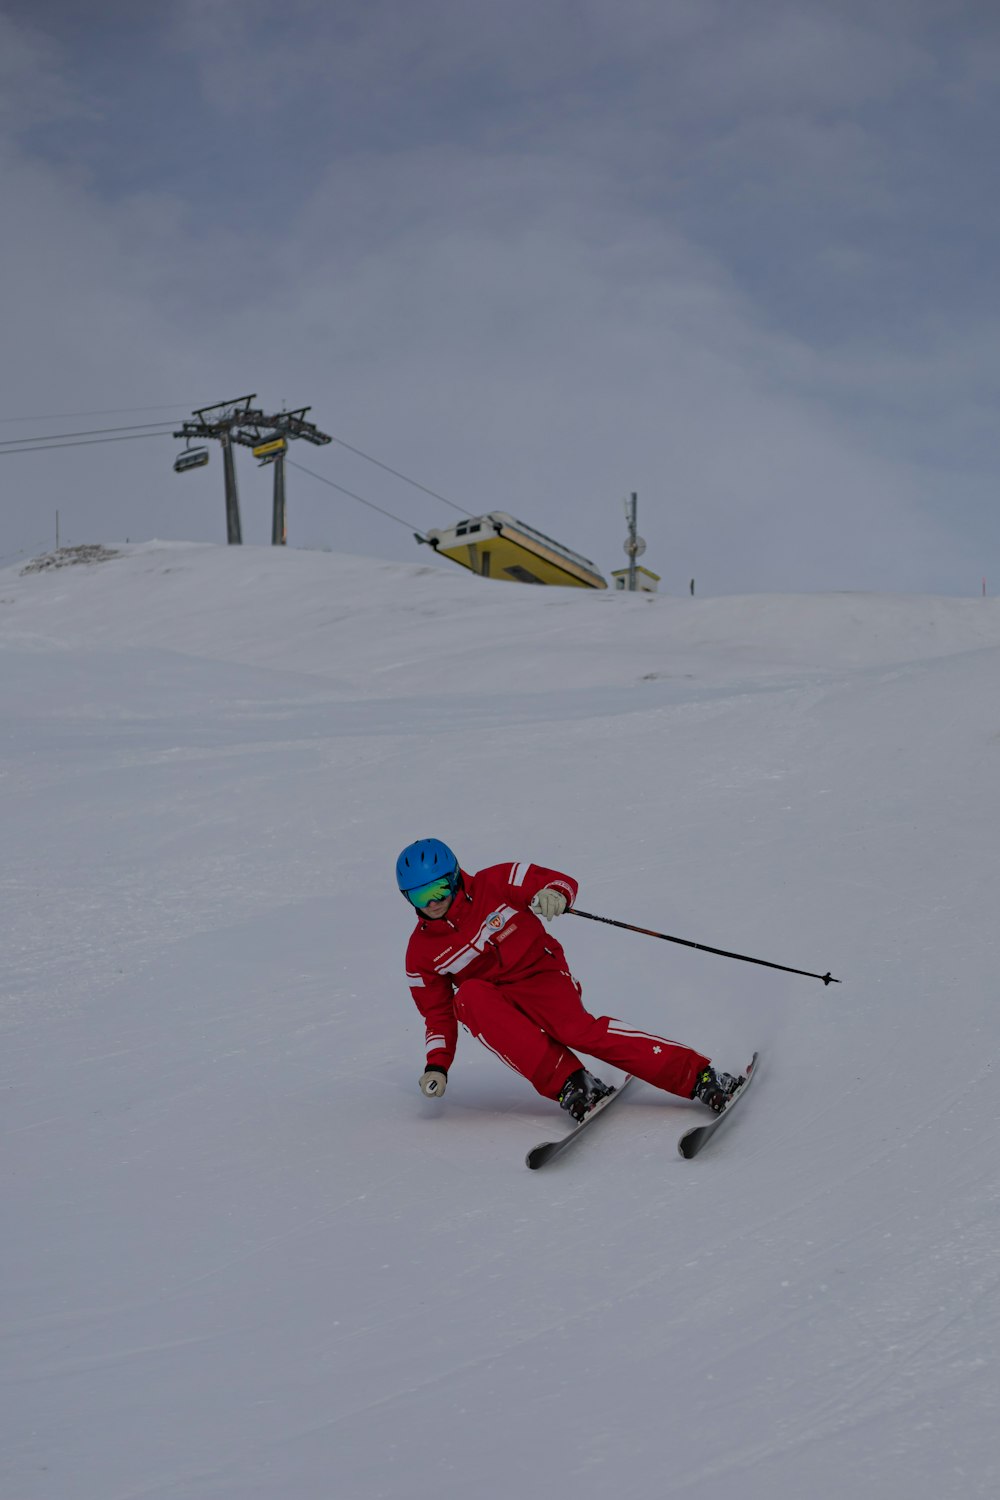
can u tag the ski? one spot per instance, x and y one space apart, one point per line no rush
546 1150
692 1141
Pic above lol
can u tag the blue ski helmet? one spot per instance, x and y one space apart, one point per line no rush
426 860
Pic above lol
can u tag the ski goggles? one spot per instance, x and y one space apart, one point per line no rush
435 890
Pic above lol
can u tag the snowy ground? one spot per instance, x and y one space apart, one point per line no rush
242 1257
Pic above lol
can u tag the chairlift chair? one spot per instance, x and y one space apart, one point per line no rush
191 458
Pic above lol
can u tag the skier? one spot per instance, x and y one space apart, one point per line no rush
480 955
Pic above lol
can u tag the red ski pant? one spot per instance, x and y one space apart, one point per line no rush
533 1024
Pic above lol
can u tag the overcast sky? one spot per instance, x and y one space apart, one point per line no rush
739 258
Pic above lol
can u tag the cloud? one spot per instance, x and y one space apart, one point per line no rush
34 89
535 256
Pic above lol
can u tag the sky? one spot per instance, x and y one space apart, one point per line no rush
737 259
243 1258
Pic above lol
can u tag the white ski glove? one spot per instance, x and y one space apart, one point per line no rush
549 903
433 1083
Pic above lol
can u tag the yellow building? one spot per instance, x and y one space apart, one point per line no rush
645 581
498 546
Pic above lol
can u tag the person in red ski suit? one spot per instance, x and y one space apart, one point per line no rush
481 955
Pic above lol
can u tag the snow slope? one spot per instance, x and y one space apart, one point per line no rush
242 1257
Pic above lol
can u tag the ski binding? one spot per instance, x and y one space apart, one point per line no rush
546 1150
692 1141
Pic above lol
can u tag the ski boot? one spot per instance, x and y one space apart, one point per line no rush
581 1092
715 1089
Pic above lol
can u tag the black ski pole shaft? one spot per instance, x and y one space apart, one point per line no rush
574 911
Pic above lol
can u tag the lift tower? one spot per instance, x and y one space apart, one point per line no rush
242 423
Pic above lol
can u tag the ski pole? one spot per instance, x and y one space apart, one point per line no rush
702 947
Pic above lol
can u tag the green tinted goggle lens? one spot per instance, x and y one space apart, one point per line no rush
434 890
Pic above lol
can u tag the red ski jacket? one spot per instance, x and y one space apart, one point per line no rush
489 933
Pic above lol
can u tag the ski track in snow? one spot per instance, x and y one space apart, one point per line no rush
243 1257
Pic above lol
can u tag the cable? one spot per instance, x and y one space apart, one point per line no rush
53 437
405 477
87 438
87 443
114 411
59 439
371 505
